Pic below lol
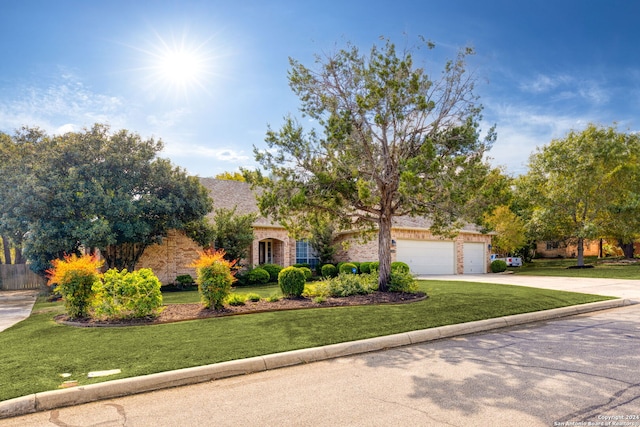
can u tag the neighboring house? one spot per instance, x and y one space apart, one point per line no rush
562 249
412 243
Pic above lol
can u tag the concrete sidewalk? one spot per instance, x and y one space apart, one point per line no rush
111 389
15 306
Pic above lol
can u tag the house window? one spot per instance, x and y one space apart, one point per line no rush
305 254
265 252
552 245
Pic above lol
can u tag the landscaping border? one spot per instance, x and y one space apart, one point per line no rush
117 388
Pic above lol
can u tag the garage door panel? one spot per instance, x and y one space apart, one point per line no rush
474 258
427 257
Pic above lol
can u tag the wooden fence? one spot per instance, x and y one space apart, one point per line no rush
18 277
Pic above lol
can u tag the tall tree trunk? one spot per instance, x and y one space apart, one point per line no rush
20 259
600 251
580 252
7 249
627 249
384 252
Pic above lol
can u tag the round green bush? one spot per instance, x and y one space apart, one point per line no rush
348 268
329 270
257 276
123 294
308 274
402 281
374 266
400 267
273 270
365 267
357 264
291 281
498 266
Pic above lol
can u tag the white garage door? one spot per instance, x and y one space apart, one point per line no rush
427 257
474 260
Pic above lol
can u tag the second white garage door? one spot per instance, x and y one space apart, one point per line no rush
427 257
474 259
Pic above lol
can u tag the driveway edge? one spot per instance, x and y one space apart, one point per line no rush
117 388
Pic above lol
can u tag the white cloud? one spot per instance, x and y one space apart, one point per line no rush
63 105
543 83
522 129
224 154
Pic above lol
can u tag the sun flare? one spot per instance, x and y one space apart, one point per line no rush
177 67
181 67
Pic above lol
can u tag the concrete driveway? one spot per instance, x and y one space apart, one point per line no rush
570 371
612 287
15 306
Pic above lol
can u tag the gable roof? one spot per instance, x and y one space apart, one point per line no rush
228 193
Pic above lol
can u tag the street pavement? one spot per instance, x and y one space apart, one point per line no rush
570 371
15 306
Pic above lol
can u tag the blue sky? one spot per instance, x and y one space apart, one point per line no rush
543 67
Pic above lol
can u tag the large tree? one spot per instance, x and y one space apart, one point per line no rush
233 232
97 189
576 185
388 139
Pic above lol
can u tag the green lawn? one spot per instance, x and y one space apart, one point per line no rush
36 351
603 268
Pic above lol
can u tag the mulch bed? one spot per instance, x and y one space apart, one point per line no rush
182 312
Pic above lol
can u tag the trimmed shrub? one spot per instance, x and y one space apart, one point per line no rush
73 278
329 270
291 281
214 278
400 267
347 284
236 299
348 268
357 264
402 281
374 267
253 297
274 298
125 295
184 280
273 270
300 265
308 274
498 266
365 267
257 276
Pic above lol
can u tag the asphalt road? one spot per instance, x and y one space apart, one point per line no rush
571 371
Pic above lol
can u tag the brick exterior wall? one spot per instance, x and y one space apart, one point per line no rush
177 251
171 258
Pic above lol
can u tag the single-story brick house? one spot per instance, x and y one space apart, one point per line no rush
412 242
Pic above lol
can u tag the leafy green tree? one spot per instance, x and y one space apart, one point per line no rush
574 183
20 156
321 240
97 189
233 233
394 141
510 230
231 176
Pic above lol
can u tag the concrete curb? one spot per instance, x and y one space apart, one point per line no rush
117 388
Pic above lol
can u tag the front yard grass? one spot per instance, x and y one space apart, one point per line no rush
36 351
607 268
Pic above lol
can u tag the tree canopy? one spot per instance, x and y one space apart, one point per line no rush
233 233
388 139
583 186
97 189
